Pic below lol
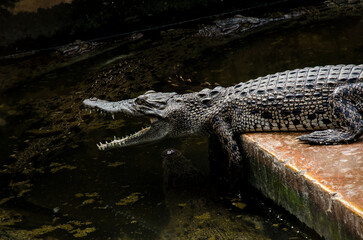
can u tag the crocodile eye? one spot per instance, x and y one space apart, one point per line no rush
140 101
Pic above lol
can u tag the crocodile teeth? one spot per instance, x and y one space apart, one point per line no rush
120 142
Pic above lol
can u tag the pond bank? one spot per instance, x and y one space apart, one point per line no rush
321 185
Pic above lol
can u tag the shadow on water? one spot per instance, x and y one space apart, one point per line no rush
57 185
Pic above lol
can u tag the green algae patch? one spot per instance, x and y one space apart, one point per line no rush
78 232
21 187
182 205
91 195
83 232
116 164
49 228
238 204
88 201
79 223
76 228
2 122
55 167
79 195
204 217
4 200
89 198
21 184
9 218
132 198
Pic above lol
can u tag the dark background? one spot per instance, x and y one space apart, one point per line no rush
99 19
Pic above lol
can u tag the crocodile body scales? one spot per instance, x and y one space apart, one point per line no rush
327 100
297 100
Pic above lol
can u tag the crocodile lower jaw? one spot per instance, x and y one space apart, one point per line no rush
120 142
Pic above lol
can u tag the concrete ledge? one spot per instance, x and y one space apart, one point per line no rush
321 185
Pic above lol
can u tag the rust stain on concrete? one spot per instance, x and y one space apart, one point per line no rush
34 5
331 176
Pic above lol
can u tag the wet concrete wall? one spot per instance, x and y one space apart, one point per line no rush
29 24
321 185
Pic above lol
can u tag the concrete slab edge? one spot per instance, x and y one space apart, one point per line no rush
311 202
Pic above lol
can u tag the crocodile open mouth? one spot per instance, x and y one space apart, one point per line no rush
159 126
156 131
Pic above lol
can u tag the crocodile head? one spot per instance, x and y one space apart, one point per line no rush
171 115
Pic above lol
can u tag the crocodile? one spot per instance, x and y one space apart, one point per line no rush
323 99
239 24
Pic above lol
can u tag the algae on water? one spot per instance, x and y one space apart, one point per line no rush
132 198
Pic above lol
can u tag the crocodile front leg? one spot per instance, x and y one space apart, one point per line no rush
225 135
346 104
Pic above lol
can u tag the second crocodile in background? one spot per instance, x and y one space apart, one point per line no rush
328 99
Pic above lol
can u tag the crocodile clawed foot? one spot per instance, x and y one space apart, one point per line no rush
326 137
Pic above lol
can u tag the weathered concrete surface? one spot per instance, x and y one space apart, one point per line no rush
321 185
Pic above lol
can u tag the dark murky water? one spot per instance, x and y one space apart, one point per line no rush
72 190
